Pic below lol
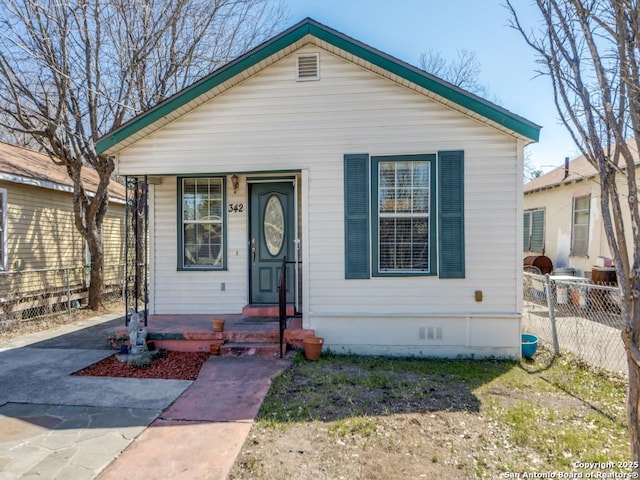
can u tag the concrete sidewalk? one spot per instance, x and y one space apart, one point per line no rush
53 425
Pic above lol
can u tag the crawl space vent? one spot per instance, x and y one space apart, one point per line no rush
308 67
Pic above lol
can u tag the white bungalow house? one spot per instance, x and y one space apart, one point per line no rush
397 196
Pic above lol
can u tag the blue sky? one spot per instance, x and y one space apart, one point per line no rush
407 28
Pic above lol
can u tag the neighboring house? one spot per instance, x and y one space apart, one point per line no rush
563 217
399 194
38 229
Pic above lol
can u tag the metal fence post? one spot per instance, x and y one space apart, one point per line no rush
68 291
552 317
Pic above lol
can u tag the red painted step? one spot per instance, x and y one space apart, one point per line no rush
249 336
194 333
247 349
261 310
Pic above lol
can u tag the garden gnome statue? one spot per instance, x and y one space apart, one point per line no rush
137 333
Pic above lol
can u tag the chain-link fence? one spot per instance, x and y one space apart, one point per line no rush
29 294
577 316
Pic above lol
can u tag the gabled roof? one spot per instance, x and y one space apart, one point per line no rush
21 165
310 31
578 169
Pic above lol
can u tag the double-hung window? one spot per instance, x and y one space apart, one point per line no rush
580 226
404 215
402 192
201 223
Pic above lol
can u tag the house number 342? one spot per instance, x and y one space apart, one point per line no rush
236 208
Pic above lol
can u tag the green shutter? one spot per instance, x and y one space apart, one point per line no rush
537 231
526 233
451 214
356 216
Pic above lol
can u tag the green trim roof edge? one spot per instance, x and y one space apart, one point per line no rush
308 26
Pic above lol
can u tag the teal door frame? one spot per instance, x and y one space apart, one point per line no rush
271 240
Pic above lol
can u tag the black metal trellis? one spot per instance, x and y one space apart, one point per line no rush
136 248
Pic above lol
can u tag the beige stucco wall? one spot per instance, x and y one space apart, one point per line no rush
558 204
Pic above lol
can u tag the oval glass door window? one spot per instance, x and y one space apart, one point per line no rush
274 225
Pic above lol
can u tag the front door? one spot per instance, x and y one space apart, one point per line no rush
271 239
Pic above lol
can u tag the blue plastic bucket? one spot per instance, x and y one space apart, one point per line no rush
529 345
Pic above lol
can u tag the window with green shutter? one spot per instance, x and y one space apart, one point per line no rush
537 231
533 230
526 232
403 232
356 216
416 225
451 214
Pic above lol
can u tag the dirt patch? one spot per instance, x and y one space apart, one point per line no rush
169 366
364 418
435 445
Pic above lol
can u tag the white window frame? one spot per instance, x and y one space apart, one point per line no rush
393 160
585 225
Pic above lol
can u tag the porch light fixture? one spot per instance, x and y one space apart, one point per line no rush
235 183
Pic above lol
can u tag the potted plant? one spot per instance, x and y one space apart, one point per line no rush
218 324
312 347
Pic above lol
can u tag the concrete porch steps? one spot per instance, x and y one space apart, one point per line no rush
233 336
242 335
262 310
262 349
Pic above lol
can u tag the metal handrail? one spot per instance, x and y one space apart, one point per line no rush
282 303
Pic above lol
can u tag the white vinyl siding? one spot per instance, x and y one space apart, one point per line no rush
272 123
196 291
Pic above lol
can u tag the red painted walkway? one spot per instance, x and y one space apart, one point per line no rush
201 434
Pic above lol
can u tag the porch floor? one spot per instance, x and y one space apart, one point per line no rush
194 333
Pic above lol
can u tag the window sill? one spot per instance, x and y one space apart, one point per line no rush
403 274
201 269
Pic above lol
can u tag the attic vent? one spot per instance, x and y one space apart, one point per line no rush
308 67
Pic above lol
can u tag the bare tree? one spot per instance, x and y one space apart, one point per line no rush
590 49
15 137
70 71
462 71
531 172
